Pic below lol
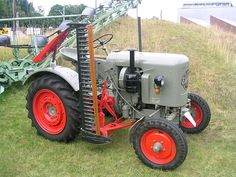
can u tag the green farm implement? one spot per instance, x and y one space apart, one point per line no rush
17 69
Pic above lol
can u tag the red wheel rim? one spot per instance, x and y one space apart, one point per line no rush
197 114
49 111
167 146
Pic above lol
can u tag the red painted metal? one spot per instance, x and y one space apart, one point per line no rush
116 125
168 150
197 114
108 102
52 46
52 123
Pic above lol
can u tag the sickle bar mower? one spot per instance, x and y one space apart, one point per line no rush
94 129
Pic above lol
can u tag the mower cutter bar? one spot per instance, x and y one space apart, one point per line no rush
88 86
84 78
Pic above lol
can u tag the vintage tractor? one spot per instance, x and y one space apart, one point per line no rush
144 91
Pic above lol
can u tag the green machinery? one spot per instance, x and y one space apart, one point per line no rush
17 69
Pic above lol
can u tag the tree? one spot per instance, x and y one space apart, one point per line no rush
23 7
2 9
69 10
55 10
74 9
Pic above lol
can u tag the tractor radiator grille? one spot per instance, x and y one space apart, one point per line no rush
86 100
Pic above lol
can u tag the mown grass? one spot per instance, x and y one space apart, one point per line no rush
211 154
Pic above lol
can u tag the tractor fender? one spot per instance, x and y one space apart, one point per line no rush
67 74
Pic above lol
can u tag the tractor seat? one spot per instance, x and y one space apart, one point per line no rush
70 54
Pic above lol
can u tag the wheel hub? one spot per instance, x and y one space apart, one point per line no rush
49 111
52 111
157 147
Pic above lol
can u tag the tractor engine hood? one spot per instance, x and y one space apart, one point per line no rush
147 59
173 67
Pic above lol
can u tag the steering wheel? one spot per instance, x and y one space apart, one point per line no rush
102 40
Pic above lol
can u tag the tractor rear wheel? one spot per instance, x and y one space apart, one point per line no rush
53 108
200 112
160 144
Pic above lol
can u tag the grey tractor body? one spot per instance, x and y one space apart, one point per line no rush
173 67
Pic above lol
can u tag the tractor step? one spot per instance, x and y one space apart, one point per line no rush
93 138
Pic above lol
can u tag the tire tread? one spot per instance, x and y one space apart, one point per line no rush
206 114
169 127
70 100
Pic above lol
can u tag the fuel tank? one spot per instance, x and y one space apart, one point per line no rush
174 68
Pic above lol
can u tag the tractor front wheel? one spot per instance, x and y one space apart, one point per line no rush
53 108
200 112
160 144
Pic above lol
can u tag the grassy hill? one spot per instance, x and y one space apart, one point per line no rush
212 153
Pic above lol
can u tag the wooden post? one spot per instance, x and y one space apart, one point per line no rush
14 22
96 4
93 78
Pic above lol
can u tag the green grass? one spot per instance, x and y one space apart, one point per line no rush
211 154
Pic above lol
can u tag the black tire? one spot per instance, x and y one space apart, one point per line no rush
177 136
68 100
201 107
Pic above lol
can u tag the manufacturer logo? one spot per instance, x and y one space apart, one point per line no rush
184 81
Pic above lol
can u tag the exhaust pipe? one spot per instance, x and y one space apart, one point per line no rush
132 60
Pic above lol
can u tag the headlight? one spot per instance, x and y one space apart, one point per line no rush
158 83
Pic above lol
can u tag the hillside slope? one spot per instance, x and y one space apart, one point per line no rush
212 153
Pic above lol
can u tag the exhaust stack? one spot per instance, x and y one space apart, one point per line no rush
132 60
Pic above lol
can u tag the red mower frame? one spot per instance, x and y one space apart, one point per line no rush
108 102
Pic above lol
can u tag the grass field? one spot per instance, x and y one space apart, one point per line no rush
211 154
